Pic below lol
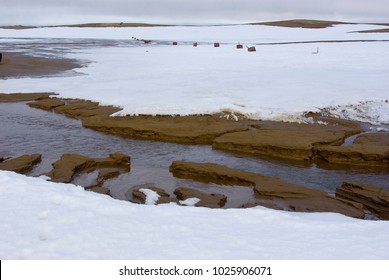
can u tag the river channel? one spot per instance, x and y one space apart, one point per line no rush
25 130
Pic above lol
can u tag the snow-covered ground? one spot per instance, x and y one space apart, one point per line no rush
277 82
44 220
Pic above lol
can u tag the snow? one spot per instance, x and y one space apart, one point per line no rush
151 196
190 201
45 220
278 82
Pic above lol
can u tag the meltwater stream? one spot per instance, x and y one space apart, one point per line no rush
26 130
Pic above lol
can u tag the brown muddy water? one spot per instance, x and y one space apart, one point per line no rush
26 130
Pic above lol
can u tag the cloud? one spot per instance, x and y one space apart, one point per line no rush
189 11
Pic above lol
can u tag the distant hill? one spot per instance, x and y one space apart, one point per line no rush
295 23
120 24
384 30
301 23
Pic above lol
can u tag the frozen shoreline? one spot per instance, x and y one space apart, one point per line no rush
278 82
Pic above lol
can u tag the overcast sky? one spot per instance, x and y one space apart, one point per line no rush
42 12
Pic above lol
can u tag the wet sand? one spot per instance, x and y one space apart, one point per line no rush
22 65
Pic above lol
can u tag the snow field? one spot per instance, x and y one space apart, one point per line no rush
44 220
278 82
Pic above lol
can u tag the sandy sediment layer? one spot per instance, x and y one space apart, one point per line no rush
70 165
199 129
22 164
74 108
278 139
273 192
21 65
367 149
20 97
373 198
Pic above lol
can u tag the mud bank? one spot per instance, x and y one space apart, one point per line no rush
320 140
22 65
273 192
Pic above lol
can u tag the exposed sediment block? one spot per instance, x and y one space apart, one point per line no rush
70 165
21 164
179 129
290 141
368 149
272 192
373 198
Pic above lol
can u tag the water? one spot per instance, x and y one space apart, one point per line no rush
26 130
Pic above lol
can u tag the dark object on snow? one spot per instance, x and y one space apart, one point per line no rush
175 43
216 45
1 56
239 46
194 44
251 49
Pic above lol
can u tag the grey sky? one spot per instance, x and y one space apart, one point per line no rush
43 12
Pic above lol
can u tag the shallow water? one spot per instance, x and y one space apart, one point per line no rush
26 130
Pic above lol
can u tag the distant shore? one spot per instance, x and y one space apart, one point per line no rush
22 65
294 23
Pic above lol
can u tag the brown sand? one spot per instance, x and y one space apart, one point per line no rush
21 65
20 97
